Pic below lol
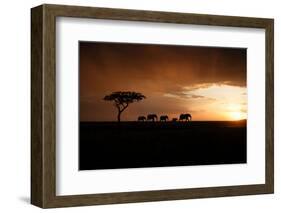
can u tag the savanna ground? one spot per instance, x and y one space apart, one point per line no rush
110 145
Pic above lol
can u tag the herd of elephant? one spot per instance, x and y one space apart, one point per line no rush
154 117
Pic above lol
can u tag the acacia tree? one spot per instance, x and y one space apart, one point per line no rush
123 99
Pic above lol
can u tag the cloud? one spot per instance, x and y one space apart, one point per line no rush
182 95
197 96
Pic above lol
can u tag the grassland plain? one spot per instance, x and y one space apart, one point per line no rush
112 145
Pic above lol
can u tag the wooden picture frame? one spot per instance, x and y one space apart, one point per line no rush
43 105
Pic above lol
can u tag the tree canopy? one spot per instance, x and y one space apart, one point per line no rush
123 99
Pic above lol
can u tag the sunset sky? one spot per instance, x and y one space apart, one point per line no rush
207 82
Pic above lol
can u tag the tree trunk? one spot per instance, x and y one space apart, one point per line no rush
119 116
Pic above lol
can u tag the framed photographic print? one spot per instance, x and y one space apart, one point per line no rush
136 106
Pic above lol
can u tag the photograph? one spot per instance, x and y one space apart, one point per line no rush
159 105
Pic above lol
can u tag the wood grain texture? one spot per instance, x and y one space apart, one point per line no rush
36 106
43 105
269 119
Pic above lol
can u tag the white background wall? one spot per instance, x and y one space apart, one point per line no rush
15 105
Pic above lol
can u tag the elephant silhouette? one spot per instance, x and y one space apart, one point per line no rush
164 118
174 119
141 118
151 117
185 117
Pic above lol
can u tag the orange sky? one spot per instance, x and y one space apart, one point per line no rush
209 83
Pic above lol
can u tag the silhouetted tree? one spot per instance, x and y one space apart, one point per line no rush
123 99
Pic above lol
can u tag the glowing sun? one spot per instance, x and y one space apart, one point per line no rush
236 115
